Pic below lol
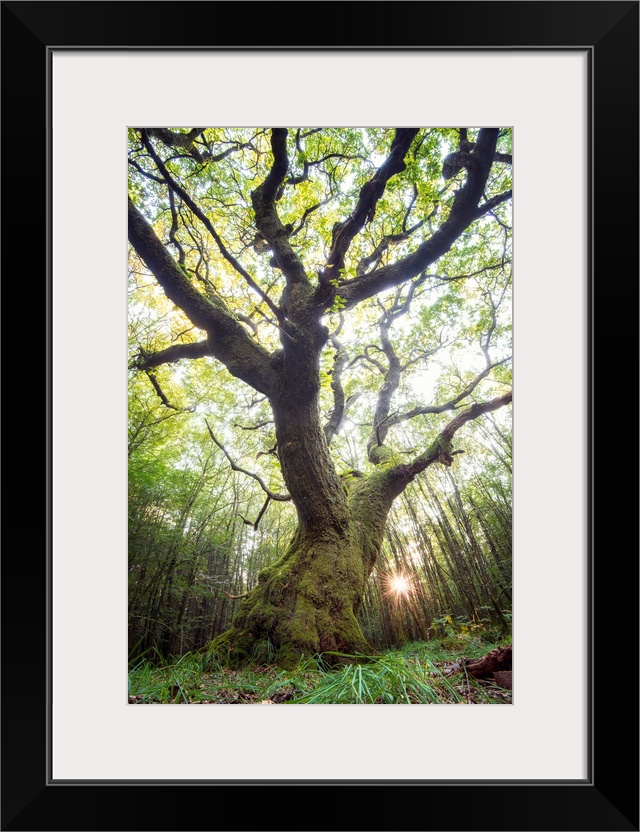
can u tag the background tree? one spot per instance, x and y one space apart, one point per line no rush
302 263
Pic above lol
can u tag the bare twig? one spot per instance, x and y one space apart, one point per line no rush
283 498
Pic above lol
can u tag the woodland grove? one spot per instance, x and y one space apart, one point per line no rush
329 311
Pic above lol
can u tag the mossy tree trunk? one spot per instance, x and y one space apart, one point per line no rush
308 601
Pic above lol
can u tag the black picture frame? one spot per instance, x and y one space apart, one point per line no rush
608 799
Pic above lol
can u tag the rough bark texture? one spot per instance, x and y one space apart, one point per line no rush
307 602
304 604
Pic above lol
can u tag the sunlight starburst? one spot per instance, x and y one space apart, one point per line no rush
399 585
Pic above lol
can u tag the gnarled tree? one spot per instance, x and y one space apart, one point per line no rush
304 260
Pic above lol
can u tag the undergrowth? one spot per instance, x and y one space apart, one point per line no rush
418 673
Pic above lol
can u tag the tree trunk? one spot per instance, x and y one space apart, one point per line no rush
304 604
307 602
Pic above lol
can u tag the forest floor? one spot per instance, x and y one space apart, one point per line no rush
434 672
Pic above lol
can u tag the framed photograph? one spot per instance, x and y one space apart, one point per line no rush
562 79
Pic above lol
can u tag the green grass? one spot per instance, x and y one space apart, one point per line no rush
388 679
419 673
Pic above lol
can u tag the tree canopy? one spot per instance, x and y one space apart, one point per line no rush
327 308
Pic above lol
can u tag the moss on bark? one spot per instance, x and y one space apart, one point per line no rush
303 605
307 602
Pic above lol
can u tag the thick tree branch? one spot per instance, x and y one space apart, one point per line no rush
227 340
176 139
337 414
176 352
195 208
440 450
370 194
177 286
187 142
268 222
389 385
388 483
463 212
174 229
